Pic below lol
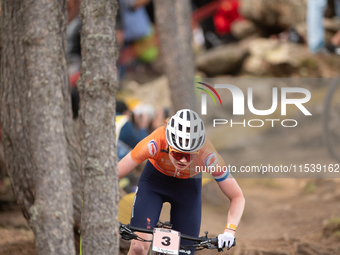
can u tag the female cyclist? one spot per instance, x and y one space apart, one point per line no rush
175 153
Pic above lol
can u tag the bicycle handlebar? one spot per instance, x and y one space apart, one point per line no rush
127 229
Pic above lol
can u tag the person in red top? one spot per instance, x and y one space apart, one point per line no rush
177 154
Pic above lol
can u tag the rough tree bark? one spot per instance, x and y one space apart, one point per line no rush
173 20
34 85
97 86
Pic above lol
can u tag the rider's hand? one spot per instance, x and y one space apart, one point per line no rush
225 240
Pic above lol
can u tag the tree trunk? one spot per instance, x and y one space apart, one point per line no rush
173 19
97 87
33 90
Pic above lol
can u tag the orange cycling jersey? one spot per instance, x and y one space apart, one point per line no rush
155 148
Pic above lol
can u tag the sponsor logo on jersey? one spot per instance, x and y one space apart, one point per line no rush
152 146
210 160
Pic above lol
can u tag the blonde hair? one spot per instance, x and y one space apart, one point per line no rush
165 122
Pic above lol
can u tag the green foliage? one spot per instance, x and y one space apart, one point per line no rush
332 228
334 221
310 188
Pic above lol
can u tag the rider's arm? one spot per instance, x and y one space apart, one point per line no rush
126 165
232 190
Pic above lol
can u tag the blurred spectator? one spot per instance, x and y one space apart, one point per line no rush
226 13
315 27
215 18
135 20
135 120
206 23
131 127
136 36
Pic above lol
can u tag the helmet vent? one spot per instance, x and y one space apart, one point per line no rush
199 142
181 115
180 127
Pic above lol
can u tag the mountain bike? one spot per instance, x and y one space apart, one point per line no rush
167 241
331 119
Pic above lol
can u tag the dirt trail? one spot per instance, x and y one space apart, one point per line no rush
285 216
282 216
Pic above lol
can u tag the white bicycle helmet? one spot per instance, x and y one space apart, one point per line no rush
185 131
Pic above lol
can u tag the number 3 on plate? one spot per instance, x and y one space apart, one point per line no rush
166 241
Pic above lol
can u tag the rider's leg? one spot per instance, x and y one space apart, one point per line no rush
139 247
186 211
146 208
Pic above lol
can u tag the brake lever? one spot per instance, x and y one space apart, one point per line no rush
126 233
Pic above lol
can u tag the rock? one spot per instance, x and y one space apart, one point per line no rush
260 46
255 65
275 14
301 28
332 25
225 59
286 53
288 58
329 65
281 59
156 92
243 28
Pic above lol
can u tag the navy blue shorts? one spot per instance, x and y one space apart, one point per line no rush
184 195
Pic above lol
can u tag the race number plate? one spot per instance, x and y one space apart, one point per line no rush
165 241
